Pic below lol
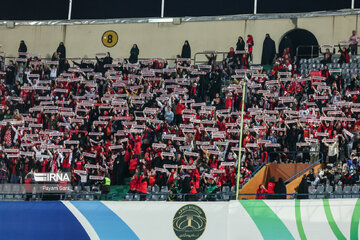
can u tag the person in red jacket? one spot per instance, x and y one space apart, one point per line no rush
178 113
260 193
137 143
250 44
134 183
270 187
143 184
133 164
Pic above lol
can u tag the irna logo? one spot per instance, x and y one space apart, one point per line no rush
52 177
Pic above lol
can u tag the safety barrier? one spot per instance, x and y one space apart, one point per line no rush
244 219
166 196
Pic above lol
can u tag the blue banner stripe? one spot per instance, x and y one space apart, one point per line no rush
105 222
39 220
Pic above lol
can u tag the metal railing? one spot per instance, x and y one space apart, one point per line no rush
166 196
196 56
294 155
291 152
308 167
169 60
315 50
307 48
253 174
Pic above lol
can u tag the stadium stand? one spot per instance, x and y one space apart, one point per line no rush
174 127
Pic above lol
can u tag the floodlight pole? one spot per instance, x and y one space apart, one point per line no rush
241 135
70 9
352 4
255 6
162 8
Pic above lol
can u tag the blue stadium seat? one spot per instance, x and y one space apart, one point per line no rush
226 189
347 192
329 190
338 191
311 191
320 191
164 189
355 191
154 198
129 196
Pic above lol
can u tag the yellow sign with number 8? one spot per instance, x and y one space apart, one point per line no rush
109 38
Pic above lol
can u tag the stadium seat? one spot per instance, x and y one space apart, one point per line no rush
320 191
347 75
129 196
225 196
311 191
164 189
355 191
157 188
136 197
345 70
163 197
347 192
154 198
329 190
7 189
226 189
338 192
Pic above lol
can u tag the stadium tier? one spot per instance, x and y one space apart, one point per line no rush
189 120
174 127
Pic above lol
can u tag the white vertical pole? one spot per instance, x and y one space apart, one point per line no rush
352 4
255 7
162 8
70 8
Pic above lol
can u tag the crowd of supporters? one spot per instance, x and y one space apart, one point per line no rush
170 123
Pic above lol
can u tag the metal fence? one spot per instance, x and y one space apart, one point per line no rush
221 196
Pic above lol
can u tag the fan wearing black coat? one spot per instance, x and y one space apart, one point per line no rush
118 170
269 51
134 53
186 50
280 188
61 50
22 48
240 46
303 190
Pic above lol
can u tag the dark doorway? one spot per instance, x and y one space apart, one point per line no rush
301 43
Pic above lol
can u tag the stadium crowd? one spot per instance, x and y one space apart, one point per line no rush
172 123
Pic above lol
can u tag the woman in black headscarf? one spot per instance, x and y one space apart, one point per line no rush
61 50
22 47
303 189
280 188
186 50
134 53
118 170
240 45
269 51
